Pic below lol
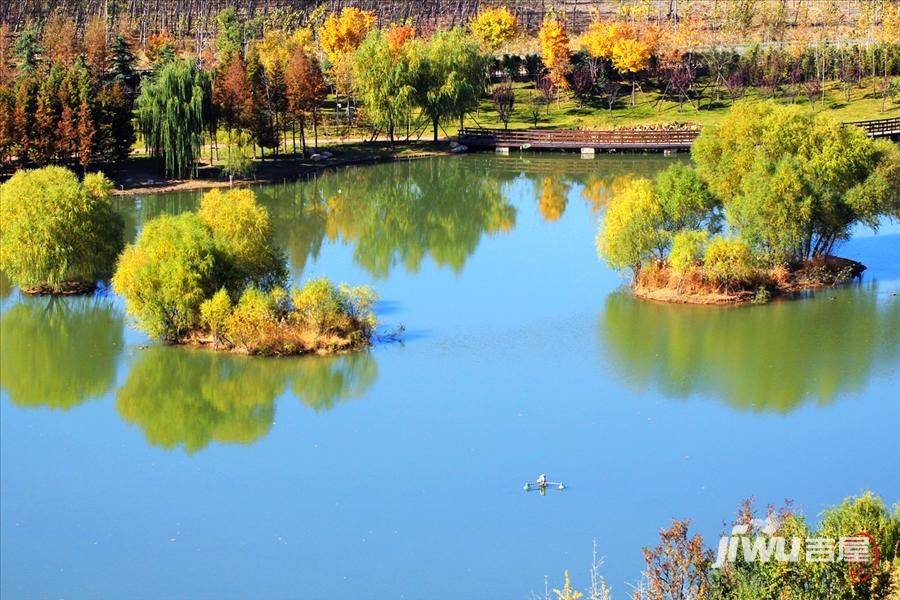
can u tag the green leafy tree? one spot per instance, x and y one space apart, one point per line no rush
56 230
232 35
450 76
793 183
177 263
642 219
383 77
687 202
242 234
258 113
122 66
170 110
166 274
27 49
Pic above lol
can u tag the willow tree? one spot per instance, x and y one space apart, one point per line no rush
383 79
171 111
450 76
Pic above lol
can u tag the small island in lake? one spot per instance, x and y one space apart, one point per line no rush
775 190
214 278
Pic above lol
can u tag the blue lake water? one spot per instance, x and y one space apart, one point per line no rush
147 472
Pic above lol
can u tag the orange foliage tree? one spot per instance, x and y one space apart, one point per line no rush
305 87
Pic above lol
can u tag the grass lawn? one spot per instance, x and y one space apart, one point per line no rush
570 114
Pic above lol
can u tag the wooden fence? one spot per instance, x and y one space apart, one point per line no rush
619 139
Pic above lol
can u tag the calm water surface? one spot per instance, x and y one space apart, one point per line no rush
145 472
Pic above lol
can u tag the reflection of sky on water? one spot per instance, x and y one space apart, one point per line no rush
383 473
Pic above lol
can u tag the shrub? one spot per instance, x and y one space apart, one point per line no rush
214 314
238 158
727 261
318 305
688 248
326 308
166 275
242 233
251 320
55 230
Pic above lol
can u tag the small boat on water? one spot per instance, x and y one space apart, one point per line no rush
542 483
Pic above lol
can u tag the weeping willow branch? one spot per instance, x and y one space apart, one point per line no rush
171 110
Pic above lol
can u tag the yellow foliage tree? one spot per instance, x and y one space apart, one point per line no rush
631 56
602 36
339 36
554 43
493 27
277 47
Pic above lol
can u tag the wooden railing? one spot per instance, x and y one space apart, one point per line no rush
620 139
879 128
579 138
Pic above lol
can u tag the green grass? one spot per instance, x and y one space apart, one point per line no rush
570 114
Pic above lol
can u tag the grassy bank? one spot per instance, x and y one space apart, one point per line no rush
651 107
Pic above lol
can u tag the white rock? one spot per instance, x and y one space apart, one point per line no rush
316 157
459 149
453 144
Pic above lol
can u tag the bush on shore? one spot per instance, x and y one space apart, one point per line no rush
215 278
58 234
682 565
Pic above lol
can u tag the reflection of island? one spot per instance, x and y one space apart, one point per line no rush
6 286
187 398
321 381
770 358
393 214
59 352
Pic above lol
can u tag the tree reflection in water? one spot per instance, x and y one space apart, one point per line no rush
770 358
394 215
190 398
59 352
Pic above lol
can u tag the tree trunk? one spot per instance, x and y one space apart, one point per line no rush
303 136
434 124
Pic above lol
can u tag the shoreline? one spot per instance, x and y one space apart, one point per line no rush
837 272
138 177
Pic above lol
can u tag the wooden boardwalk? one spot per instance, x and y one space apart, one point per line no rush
619 139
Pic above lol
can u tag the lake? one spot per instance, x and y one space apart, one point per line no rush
140 471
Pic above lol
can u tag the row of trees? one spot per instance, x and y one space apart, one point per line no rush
682 59
70 96
66 102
